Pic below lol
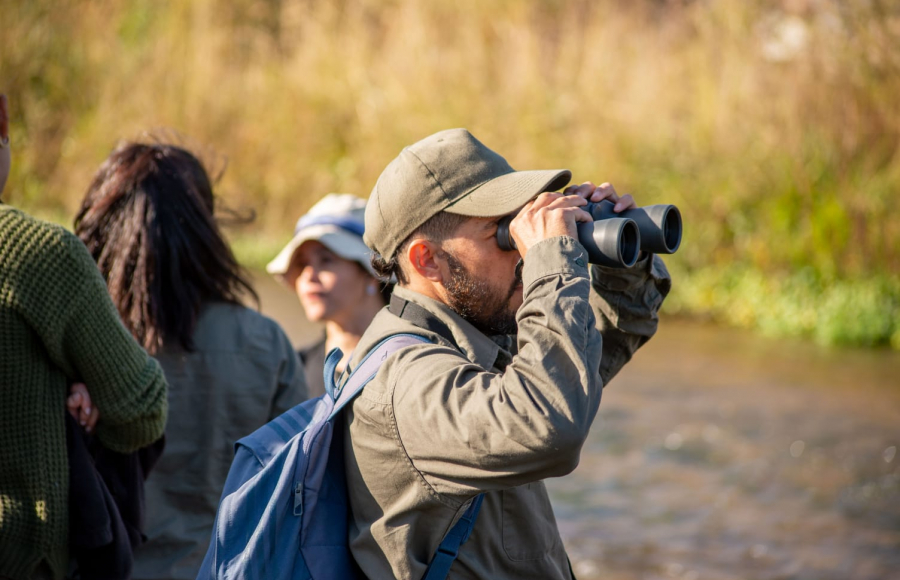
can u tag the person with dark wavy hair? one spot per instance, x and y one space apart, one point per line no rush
147 219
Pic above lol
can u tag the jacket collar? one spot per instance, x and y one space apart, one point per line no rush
475 345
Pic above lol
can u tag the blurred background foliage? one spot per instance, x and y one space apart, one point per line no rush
773 124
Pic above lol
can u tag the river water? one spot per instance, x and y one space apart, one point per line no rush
719 455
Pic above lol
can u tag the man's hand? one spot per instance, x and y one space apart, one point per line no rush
590 192
79 406
556 214
549 215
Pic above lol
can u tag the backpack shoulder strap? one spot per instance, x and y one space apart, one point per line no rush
447 552
366 370
412 312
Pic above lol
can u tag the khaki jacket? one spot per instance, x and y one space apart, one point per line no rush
242 373
440 424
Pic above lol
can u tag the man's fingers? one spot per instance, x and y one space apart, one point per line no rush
580 214
600 192
584 190
625 202
604 191
543 200
561 201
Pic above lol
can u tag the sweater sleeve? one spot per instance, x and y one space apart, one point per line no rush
81 330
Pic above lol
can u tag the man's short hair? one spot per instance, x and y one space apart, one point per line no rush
438 228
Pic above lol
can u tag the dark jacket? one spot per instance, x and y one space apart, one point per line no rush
106 504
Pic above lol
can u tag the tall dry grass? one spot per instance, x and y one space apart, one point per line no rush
774 125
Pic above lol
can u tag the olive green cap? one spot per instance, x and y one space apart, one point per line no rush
449 171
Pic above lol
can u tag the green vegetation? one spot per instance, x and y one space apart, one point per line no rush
864 311
774 125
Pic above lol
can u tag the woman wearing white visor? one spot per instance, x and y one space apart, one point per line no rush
327 264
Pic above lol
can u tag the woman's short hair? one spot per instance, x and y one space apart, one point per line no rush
147 219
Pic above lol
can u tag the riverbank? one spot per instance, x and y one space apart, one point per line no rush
859 312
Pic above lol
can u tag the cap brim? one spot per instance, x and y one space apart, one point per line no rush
343 243
509 192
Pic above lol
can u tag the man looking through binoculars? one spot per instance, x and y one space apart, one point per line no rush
505 393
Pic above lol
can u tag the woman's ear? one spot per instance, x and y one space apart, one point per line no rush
422 256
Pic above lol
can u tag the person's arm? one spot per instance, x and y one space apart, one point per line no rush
468 430
626 303
70 308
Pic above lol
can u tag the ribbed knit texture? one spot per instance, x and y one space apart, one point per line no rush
58 325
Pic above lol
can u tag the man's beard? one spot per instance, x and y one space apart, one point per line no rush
477 303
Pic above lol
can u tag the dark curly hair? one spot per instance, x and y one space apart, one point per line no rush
147 219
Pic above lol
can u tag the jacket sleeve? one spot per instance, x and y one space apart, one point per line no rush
82 332
468 430
626 303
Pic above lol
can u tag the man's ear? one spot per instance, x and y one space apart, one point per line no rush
422 255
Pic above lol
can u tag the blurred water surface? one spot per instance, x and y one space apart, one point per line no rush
721 455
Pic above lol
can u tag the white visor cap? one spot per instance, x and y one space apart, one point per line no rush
337 221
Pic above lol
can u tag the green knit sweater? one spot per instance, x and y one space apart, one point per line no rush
58 325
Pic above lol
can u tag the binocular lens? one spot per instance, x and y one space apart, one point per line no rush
616 239
613 242
672 229
631 243
660 224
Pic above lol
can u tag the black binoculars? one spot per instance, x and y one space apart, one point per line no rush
616 239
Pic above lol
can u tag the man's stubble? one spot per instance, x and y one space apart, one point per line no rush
484 307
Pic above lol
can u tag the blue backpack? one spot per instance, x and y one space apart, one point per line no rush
284 509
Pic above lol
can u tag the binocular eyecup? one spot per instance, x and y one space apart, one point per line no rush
616 239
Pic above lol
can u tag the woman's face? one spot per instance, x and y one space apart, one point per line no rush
329 287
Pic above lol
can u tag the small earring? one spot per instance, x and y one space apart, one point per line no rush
371 290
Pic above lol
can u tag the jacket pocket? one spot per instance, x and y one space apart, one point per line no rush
529 527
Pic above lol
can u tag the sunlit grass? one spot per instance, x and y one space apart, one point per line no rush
774 126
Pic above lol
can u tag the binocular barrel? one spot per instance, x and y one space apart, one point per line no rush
616 239
660 224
